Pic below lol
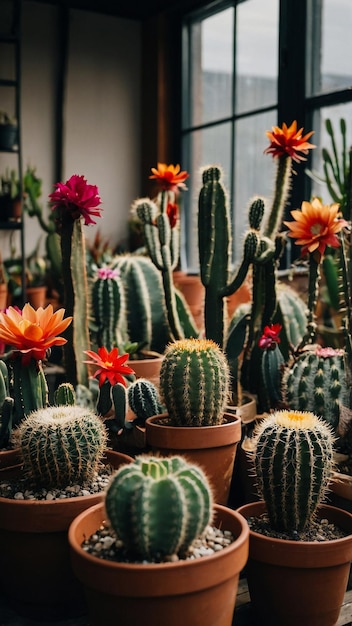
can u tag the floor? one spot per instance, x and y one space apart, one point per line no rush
243 615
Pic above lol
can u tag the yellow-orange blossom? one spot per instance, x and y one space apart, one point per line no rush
316 226
32 332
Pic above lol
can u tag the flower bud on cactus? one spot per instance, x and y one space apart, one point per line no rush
158 506
61 445
317 382
194 382
293 457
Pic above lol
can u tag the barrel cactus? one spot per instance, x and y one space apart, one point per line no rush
293 456
61 445
316 382
143 399
194 382
158 506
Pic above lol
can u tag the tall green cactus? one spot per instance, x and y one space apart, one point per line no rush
194 382
158 506
28 387
317 382
61 445
108 307
147 323
293 455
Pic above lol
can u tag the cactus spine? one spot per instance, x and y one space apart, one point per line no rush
293 459
158 506
143 399
194 382
317 382
61 445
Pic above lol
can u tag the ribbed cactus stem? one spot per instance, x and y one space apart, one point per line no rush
194 382
75 299
108 304
6 421
293 459
281 192
28 387
65 395
158 506
62 445
313 291
143 399
162 243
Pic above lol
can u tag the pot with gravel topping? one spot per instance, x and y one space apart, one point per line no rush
158 548
65 469
300 549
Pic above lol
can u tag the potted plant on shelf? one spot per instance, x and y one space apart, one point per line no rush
155 515
10 196
8 132
194 387
65 466
299 548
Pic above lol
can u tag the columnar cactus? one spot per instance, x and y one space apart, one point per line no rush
293 455
316 382
108 307
194 382
61 445
65 395
143 399
147 323
158 506
28 387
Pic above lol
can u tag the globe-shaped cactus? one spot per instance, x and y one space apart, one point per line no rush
158 506
194 382
61 445
317 382
293 456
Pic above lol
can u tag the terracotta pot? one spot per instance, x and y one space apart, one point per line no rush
36 296
4 292
301 583
148 368
9 459
35 573
340 491
199 592
213 447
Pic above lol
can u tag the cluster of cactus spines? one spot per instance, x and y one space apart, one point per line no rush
65 395
147 323
194 382
317 382
61 445
163 247
293 457
158 506
108 307
143 399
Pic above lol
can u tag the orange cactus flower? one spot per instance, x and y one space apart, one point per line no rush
32 332
316 226
288 141
169 177
111 366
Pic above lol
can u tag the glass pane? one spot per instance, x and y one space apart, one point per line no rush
323 140
330 46
211 57
211 146
254 171
257 41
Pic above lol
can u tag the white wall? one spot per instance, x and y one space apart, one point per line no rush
101 112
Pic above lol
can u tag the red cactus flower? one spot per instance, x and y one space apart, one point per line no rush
111 366
288 141
78 198
270 337
169 177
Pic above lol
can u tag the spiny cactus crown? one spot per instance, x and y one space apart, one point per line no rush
194 382
293 457
158 506
61 445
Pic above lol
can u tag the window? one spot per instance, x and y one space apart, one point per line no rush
249 65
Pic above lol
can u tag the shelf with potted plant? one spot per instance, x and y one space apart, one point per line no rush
147 575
